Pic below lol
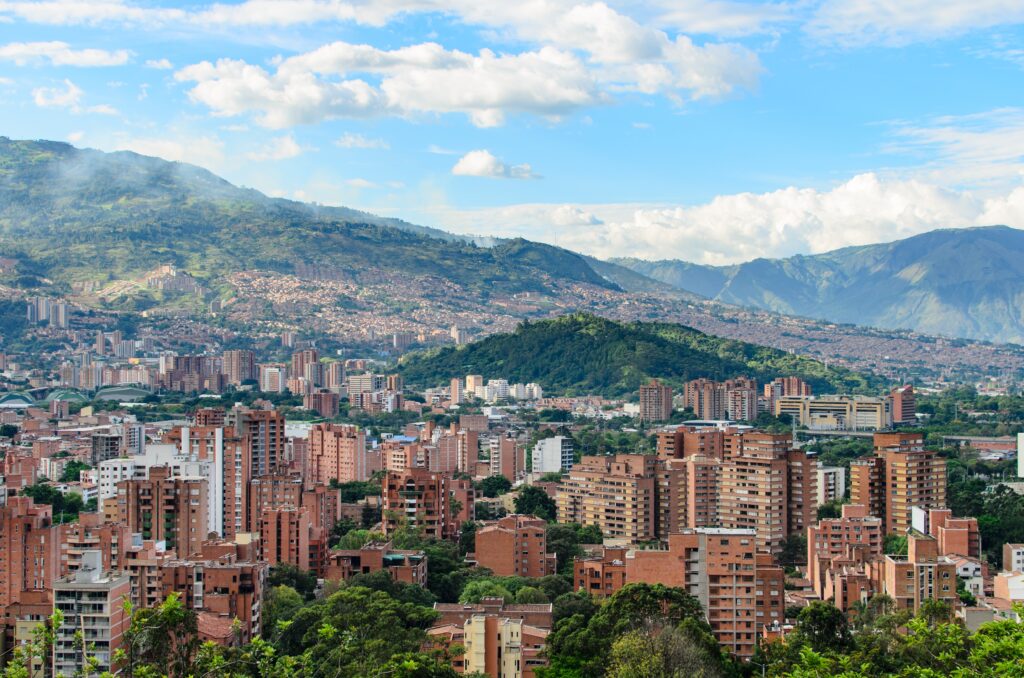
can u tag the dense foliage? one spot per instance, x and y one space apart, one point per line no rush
582 353
884 641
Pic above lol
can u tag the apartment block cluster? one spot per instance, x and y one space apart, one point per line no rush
741 400
202 509
493 391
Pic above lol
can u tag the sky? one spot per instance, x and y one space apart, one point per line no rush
713 131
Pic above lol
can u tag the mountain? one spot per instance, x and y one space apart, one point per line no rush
582 353
961 282
83 216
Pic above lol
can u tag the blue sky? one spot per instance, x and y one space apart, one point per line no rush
705 130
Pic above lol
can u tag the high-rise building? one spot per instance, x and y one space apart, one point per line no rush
706 398
92 602
766 486
552 455
301 360
616 494
29 549
508 458
455 389
655 402
338 452
231 464
900 475
239 366
741 399
263 431
285 537
166 508
474 382
904 405
273 377
831 484
419 499
515 546
323 402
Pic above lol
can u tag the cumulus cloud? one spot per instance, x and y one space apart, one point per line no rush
483 163
350 140
279 148
159 64
424 78
58 53
733 228
69 97
862 22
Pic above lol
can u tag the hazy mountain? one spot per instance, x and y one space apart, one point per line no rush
583 353
72 215
961 282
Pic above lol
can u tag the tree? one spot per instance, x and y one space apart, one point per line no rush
669 653
825 627
8 430
794 550
279 605
530 594
582 644
289 575
493 486
536 502
485 588
163 639
341 528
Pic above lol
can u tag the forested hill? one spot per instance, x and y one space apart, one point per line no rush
73 215
582 353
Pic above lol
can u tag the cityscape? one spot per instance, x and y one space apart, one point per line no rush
539 339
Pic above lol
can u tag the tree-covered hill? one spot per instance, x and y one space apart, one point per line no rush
70 215
582 353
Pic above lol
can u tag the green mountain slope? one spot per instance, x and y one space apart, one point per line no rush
960 282
582 353
81 215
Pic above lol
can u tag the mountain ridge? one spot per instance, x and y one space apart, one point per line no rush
965 282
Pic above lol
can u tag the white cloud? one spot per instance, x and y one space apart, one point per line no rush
482 163
360 183
75 137
280 148
733 228
61 54
440 150
159 64
724 17
54 97
350 140
861 22
423 78
89 12
70 97
979 149
205 151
